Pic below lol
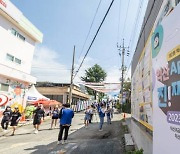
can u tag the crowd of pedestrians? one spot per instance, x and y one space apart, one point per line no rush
64 113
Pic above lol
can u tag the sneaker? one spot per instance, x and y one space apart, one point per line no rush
101 130
58 142
12 135
65 142
36 132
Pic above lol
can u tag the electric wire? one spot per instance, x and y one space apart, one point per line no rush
142 29
52 68
125 18
94 38
90 28
133 33
119 21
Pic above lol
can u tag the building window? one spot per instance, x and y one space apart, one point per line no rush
14 32
10 57
13 59
21 37
4 87
17 34
18 61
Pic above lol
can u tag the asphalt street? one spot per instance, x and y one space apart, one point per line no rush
81 140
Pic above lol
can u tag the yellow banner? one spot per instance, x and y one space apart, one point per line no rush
173 53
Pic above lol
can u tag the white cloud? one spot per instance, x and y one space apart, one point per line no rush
88 62
46 66
113 75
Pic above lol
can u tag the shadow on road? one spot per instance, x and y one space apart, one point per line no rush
88 141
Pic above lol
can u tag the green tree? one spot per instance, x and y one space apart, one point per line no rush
127 106
94 74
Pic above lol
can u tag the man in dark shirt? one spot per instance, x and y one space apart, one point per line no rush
16 115
6 118
38 114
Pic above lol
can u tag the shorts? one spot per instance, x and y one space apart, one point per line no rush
36 121
14 123
54 117
87 117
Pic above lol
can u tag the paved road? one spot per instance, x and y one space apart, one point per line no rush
81 140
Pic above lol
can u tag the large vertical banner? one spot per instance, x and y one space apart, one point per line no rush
165 43
141 90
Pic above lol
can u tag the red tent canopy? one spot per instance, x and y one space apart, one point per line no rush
46 102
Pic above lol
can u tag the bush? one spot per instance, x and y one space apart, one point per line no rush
118 106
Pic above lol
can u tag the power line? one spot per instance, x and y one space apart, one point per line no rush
94 38
52 68
136 21
142 29
119 21
133 33
125 18
90 28
132 38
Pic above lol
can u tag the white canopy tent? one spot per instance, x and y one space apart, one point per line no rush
33 95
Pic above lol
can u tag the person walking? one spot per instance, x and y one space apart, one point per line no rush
108 114
91 113
38 114
16 116
6 118
66 114
55 116
87 116
101 112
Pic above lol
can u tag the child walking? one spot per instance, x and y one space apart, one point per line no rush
87 116
108 114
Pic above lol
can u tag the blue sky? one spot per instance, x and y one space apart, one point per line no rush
65 23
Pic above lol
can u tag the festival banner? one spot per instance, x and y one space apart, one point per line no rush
165 42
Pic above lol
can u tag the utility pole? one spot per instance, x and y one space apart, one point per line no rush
72 73
122 49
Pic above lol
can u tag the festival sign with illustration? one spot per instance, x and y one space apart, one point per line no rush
165 42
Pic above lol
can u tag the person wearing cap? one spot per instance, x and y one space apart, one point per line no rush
6 118
16 116
38 114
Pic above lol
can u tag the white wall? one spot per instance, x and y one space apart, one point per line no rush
23 50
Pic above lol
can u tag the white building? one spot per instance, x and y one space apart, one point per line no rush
18 37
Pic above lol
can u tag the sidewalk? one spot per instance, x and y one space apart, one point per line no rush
20 124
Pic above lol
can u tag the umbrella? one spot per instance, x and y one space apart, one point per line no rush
46 102
54 102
